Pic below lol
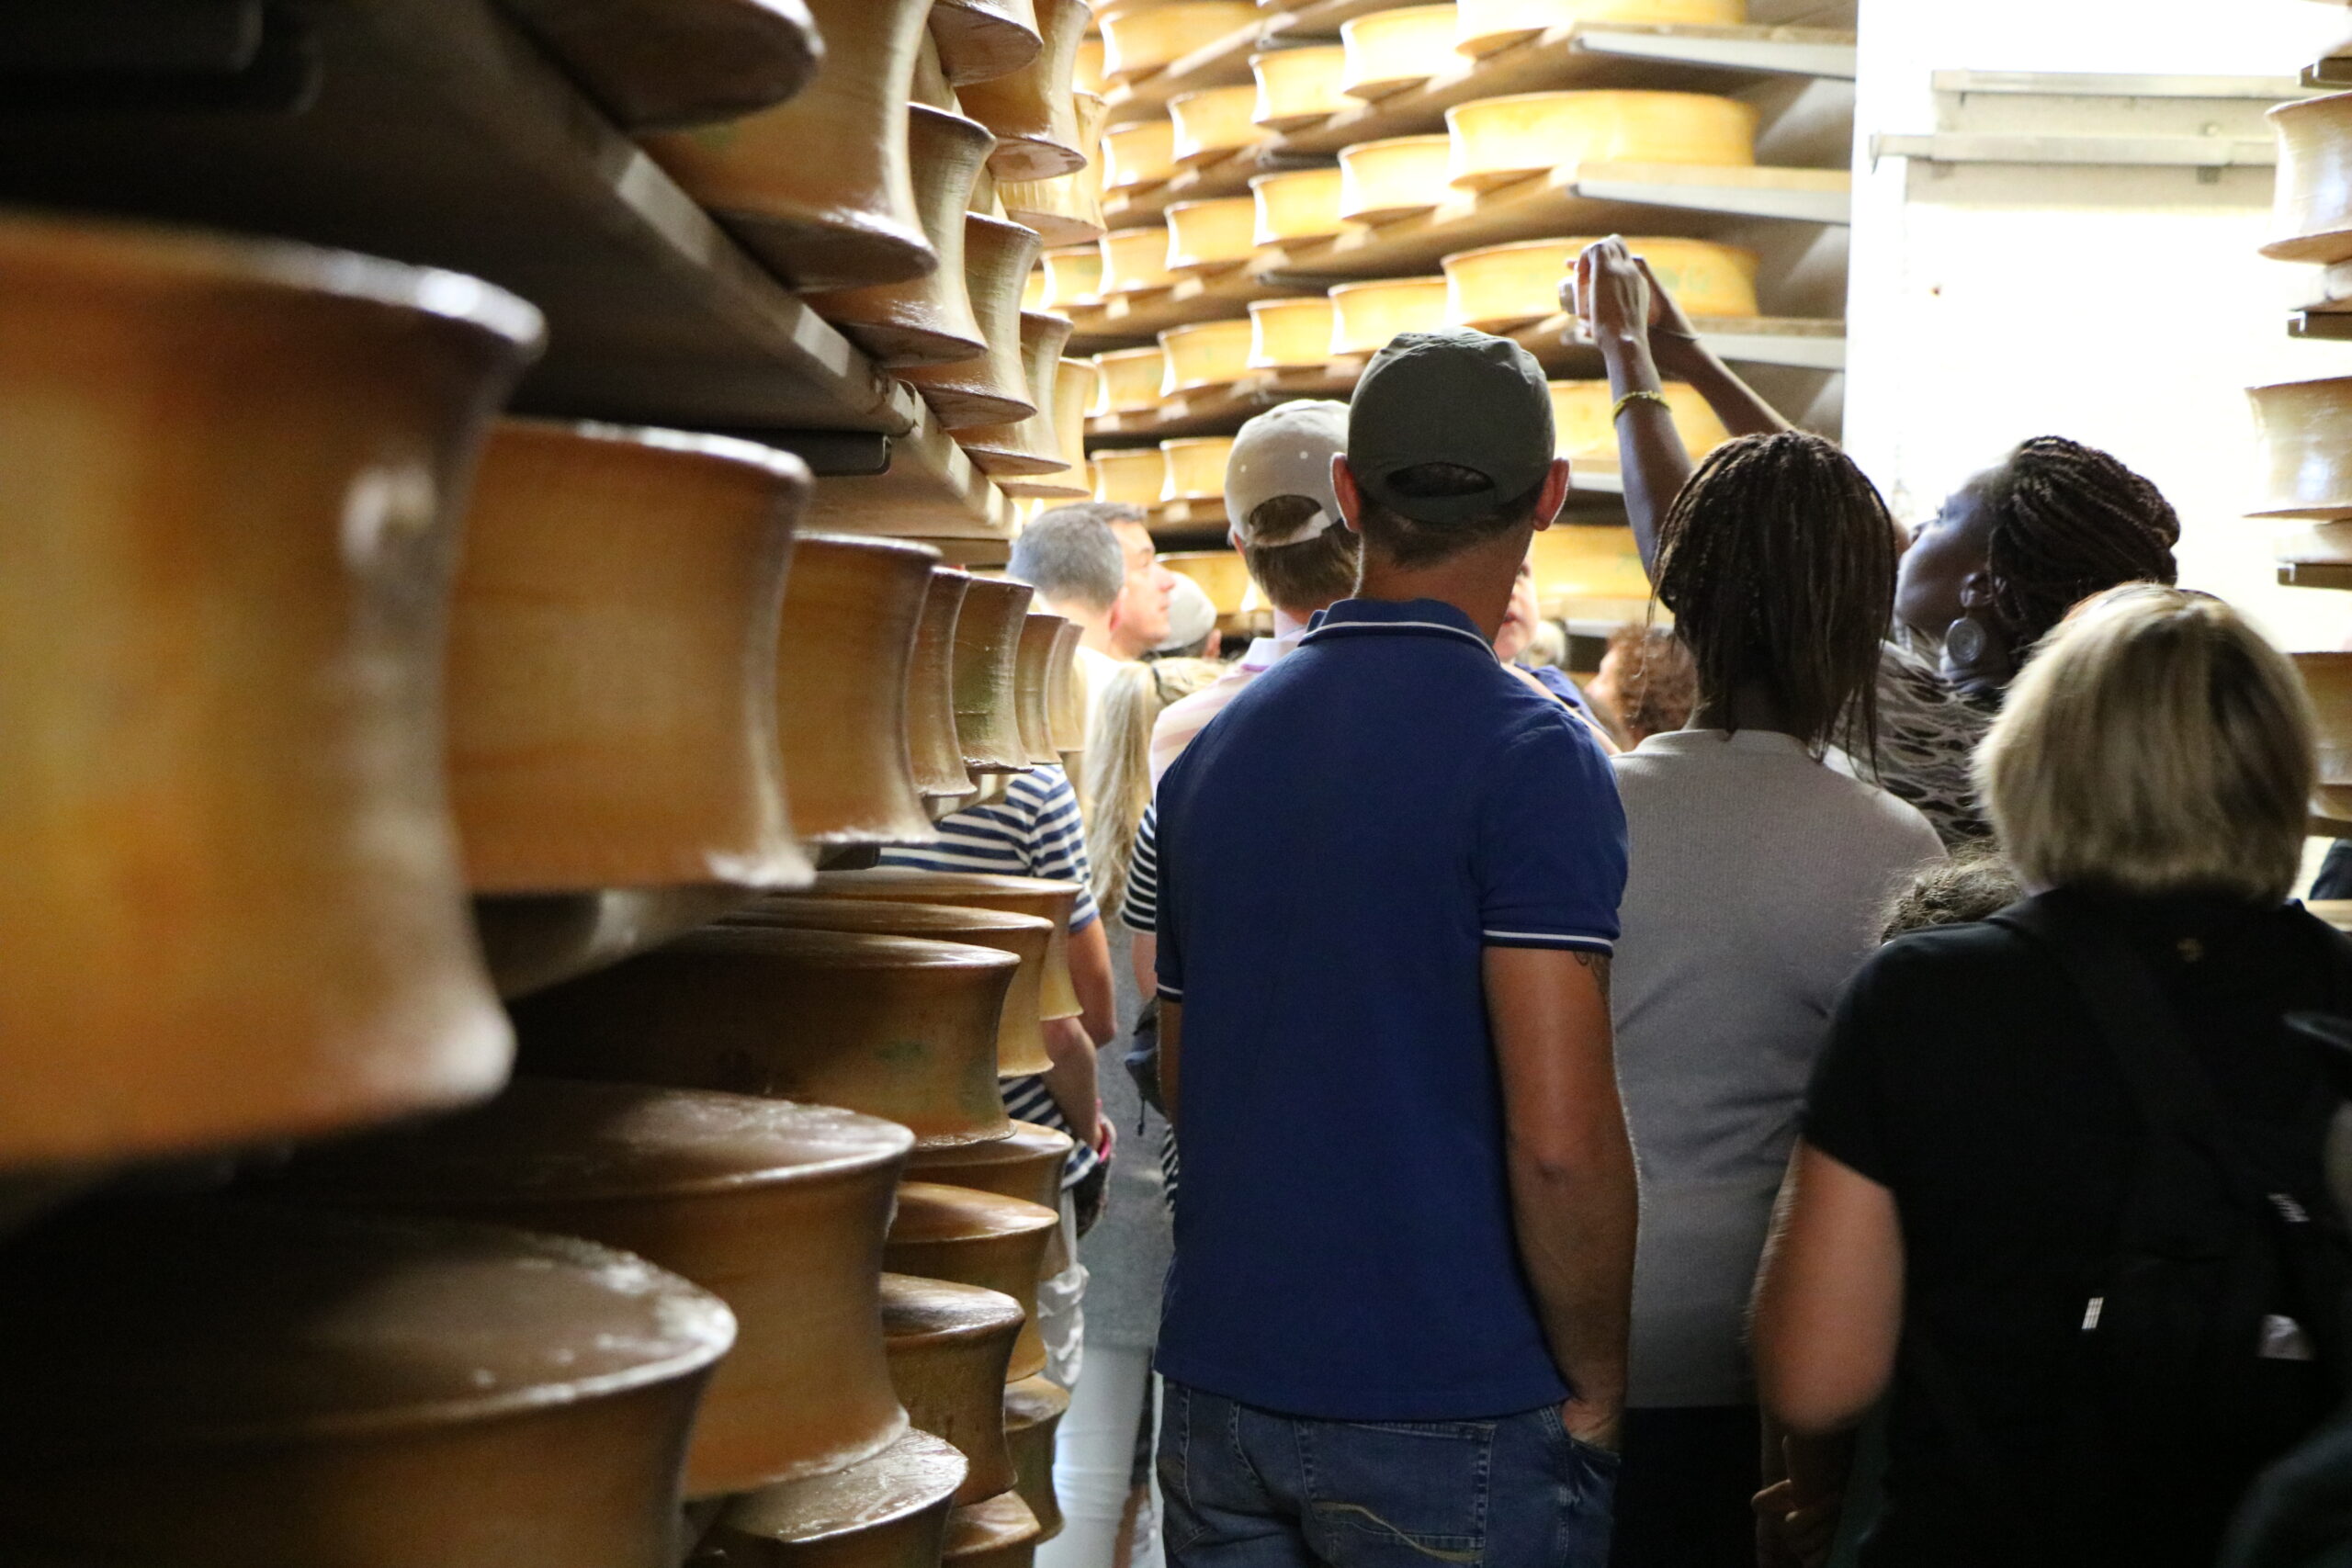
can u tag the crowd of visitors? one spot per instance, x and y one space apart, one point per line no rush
1845 1082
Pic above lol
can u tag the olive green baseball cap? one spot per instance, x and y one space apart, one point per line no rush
1453 396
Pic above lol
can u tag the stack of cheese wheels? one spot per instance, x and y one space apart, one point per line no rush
1065 209
1030 446
1396 176
1286 334
1073 277
223 1385
850 610
2328 678
1020 1039
1390 50
1036 896
819 187
1136 259
1131 379
886 1511
1584 433
988 650
613 684
891 1026
1210 236
1138 155
1033 1409
950 1345
978 40
1207 353
778 1209
2304 429
1486 26
1497 288
234 908
927 319
1033 110
1364 316
1213 122
1587 561
1497 142
1298 205
933 748
1298 86
1073 395
1066 693
994 388
975 1238
664 65
1138 39
2313 220
1223 575
1133 477
1195 467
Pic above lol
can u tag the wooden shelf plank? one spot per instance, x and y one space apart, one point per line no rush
442 135
1662 198
2314 574
1804 342
1591 54
1226 63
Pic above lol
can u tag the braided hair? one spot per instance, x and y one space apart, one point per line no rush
2067 521
1778 560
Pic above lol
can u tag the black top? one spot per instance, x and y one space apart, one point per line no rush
1965 1073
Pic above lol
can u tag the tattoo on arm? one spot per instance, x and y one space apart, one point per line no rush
1598 964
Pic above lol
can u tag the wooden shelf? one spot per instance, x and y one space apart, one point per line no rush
1802 343
441 134
1591 54
2314 574
1229 176
1589 199
1226 63
1125 320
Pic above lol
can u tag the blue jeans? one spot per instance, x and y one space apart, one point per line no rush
1246 1488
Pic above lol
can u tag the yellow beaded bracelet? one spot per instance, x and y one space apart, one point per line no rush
1644 396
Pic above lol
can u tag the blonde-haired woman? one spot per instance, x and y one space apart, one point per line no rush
2040 1155
1127 1251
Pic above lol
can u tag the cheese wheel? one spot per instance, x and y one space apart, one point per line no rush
988 650
1073 277
1583 560
1022 895
1388 51
680 64
819 186
1019 1042
976 40
1135 477
1074 394
1394 178
228 1383
1302 204
1583 430
1298 86
234 471
1223 575
1138 155
994 388
1000 1533
1136 259
1290 333
1033 292
976 1238
1027 1166
1137 42
2304 430
1033 1409
1204 236
1033 110
1065 690
1067 209
1364 316
773 1207
1086 67
1195 467
1497 142
1030 446
2328 544
1497 288
1131 379
890 1026
949 1344
889 1511
1037 637
1207 353
1486 26
932 744
1213 122
611 689
2328 678
927 319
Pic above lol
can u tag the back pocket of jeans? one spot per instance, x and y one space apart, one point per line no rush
1418 1486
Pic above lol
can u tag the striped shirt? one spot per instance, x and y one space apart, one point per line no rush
1032 830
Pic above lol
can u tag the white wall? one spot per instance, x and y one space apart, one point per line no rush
2124 308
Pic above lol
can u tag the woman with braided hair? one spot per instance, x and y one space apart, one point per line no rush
2010 553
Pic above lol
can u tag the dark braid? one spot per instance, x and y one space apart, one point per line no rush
2068 521
1777 561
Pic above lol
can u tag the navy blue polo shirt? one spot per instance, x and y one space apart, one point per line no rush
1336 849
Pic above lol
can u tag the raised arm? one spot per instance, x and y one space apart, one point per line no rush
1644 337
1574 1204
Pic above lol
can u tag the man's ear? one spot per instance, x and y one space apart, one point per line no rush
1554 495
1351 499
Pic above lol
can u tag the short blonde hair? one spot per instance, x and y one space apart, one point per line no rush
2156 743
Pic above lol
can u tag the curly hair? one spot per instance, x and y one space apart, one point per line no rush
2067 521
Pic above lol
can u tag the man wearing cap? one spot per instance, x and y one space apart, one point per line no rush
1388 884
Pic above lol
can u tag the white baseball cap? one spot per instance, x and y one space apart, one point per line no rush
1191 615
1287 450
